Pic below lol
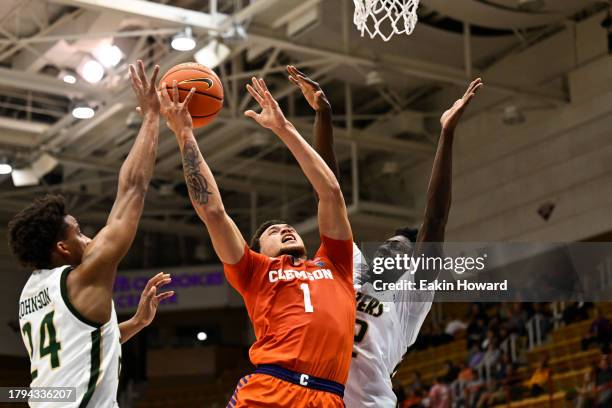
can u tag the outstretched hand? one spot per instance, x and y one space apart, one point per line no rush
310 89
144 88
450 118
271 116
174 111
149 300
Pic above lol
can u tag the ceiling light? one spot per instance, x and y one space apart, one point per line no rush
183 41
202 336
92 71
108 55
5 168
69 78
213 54
83 111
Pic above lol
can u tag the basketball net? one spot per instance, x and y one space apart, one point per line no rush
385 18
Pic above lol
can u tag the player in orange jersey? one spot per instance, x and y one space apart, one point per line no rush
303 311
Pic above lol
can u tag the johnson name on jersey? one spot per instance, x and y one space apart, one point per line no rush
66 349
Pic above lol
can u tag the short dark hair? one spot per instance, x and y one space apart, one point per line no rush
255 245
410 233
34 231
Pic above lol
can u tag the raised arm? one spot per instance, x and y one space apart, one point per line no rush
147 306
440 182
333 217
90 285
431 234
203 191
323 129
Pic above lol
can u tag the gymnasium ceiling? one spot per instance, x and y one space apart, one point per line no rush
392 123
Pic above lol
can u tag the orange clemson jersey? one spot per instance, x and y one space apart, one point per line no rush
303 311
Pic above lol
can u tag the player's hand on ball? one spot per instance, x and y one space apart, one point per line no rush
310 89
451 117
271 116
149 300
174 111
148 100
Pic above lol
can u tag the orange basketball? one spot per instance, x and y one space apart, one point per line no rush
207 101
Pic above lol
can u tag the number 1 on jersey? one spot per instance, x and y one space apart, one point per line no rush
307 303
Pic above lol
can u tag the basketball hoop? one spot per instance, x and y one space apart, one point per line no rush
385 18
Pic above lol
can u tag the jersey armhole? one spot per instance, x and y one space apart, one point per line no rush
69 305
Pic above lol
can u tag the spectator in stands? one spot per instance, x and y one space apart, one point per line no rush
464 377
477 311
465 373
475 356
441 337
603 382
501 368
416 383
540 379
440 395
518 319
431 336
597 388
413 399
546 317
576 312
490 394
506 387
455 328
491 355
474 389
451 371
599 333
476 331
491 337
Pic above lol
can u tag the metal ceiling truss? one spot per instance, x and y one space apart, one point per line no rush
92 151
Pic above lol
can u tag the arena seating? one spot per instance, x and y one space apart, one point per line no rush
568 364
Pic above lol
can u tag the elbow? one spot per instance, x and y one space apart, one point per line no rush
137 183
333 192
136 189
214 214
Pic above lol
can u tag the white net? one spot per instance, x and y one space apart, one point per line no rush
385 18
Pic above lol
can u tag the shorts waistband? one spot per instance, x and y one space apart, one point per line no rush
304 380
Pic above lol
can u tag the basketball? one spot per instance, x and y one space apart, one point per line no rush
207 101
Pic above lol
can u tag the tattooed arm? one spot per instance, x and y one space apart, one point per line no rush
203 191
